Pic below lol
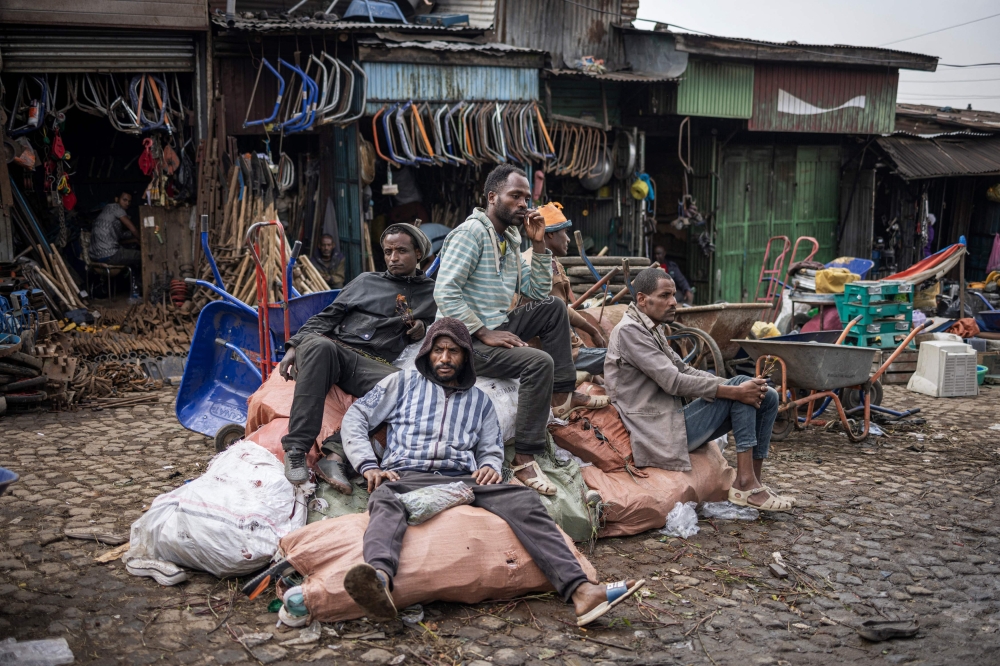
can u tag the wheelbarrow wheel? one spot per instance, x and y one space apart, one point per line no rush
783 425
228 434
851 398
708 356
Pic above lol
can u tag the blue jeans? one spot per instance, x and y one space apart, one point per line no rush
751 427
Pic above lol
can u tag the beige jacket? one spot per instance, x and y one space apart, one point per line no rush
646 381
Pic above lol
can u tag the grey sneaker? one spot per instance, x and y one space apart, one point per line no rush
164 573
333 472
295 467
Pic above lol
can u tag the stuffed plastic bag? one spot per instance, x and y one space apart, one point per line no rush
423 504
229 520
682 521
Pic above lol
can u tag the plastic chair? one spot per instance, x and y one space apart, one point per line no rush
858 266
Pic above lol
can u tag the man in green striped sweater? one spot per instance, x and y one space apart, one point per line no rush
482 277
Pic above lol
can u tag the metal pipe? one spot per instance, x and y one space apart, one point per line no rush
230 13
600 283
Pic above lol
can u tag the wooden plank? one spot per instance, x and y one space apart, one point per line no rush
175 250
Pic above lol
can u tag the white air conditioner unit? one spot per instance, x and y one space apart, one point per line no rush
945 369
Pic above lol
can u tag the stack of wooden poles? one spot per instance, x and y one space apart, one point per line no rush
581 279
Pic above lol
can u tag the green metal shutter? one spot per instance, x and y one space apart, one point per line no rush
772 191
347 196
716 89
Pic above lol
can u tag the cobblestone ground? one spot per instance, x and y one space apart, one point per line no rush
900 527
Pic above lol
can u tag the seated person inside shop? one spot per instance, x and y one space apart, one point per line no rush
684 292
649 384
589 360
329 261
352 344
111 230
470 450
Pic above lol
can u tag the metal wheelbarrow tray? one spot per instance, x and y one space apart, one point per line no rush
815 365
220 374
725 323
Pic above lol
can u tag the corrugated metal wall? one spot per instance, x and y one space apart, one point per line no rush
581 98
856 238
391 81
174 15
773 191
566 30
29 50
481 12
795 98
716 89
347 196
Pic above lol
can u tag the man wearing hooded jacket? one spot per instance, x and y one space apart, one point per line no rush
352 344
443 429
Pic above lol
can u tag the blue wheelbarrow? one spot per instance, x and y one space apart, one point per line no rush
223 365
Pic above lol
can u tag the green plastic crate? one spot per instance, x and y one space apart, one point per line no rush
884 326
869 313
866 292
878 341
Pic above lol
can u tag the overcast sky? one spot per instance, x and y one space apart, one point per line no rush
866 23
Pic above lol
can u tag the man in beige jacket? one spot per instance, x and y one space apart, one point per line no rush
648 382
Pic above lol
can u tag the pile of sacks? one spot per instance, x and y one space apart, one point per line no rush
242 512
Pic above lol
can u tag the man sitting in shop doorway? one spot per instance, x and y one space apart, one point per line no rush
329 261
352 344
482 271
107 236
648 383
684 292
419 454
586 359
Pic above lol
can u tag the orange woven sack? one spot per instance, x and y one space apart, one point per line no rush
273 400
634 505
598 437
463 555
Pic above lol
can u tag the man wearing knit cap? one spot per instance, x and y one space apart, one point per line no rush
352 344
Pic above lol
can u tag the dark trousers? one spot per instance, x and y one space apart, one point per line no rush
123 257
520 507
320 363
542 372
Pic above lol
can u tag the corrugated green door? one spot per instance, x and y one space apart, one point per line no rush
772 191
347 196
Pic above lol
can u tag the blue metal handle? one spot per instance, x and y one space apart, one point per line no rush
296 250
433 268
277 103
208 252
225 296
242 356
303 120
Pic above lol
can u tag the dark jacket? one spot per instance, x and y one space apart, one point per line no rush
459 333
364 314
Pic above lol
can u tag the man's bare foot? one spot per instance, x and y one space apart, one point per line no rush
589 596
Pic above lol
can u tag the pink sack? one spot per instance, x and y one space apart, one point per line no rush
464 555
994 261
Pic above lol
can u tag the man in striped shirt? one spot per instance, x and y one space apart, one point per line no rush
442 429
482 273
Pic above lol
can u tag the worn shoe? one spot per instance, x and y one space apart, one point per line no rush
164 573
369 589
334 472
261 581
295 467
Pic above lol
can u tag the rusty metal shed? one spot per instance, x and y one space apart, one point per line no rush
943 156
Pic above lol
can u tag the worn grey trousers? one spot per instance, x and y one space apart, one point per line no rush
320 363
520 507
541 372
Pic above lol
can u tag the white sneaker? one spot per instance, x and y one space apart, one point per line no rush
164 573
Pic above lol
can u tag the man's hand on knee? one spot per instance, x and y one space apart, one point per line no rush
376 477
486 476
499 338
287 368
750 392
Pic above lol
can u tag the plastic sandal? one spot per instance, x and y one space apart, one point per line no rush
539 483
773 502
617 593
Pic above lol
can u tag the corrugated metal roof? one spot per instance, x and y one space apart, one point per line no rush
716 89
943 156
395 81
804 98
28 50
493 48
310 24
928 119
481 12
625 76
755 49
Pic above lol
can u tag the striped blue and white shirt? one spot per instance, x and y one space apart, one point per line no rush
429 430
